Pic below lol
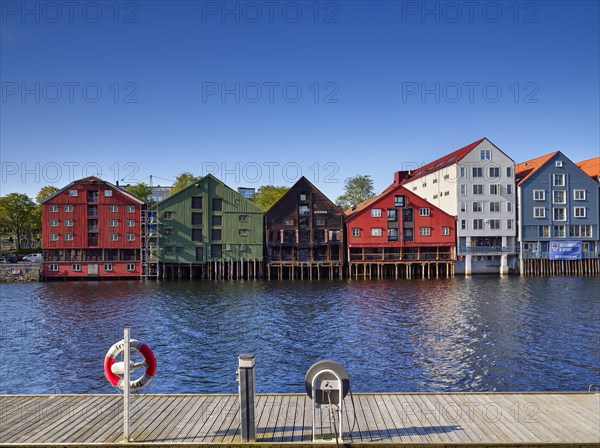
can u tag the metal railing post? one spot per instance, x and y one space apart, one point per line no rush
247 390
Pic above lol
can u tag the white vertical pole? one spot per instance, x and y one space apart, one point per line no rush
126 359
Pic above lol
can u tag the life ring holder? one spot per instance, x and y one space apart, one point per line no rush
112 368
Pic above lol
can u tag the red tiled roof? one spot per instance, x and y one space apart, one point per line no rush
525 169
591 167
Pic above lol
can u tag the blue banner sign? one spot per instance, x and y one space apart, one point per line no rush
565 250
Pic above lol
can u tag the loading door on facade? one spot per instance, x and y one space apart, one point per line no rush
92 269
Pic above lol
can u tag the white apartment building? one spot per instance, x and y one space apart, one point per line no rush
477 185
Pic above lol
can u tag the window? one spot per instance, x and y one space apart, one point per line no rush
303 210
434 181
68 223
478 224
509 189
425 231
560 214
320 222
579 195
355 231
559 231
196 234
131 209
509 224
539 195
375 231
494 189
54 208
463 172
579 212
216 250
217 220
54 223
130 223
54 267
392 214
169 250
463 190
54 237
217 204
243 218
463 224
445 230
199 254
197 218
494 206
478 207
168 215
303 196
76 267
463 207
178 250
558 180
424 211
399 200
73 193
131 237
477 171
375 213
68 208
485 154
68 237
495 224
539 212
509 207
243 232
559 197
392 234
494 171
108 267
544 231
113 208
167 231
113 223
216 234
558 164
581 231
107 193
477 189
114 237
407 215
130 267
407 234
509 171
289 222
197 202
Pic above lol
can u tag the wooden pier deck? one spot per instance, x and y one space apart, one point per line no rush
403 419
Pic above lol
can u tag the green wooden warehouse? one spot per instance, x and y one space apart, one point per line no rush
209 231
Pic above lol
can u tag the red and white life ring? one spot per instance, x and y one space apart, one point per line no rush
149 363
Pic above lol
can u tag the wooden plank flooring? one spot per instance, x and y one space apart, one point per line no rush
460 419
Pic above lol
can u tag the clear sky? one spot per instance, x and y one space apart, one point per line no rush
261 92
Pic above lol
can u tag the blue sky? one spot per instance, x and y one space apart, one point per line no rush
260 92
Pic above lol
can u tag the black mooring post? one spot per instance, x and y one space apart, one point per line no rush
247 391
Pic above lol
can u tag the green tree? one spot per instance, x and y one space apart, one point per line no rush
267 195
183 180
357 189
19 216
140 190
45 193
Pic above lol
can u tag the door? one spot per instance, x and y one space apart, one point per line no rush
92 269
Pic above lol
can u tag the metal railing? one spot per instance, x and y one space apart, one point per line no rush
487 249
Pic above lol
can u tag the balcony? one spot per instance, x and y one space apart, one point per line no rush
544 255
485 250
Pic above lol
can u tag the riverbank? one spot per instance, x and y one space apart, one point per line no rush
20 272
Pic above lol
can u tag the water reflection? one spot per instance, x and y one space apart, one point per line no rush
480 333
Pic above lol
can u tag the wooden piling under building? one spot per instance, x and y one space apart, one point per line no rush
546 267
385 420
397 270
214 270
304 270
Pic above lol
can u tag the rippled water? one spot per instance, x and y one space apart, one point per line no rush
461 334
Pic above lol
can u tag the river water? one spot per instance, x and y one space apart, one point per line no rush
461 334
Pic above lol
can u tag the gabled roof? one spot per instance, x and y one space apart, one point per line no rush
290 191
591 167
91 180
525 169
442 162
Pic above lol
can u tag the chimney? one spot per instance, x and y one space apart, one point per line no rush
400 176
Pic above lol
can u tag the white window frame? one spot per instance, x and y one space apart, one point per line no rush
478 224
556 182
463 172
54 267
495 189
54 237
554 214
477 207
544 231
113 237
498 208
445 230
425 231
113 208
463 207
130 237
108 267
492 170
559 234
424 211
539 195
54 223
485 154
130 267
130 209
108 193
76 267
376 231
375 213
68 223
477 171
463 189
464 225
68 237
509 224
73 193
509 189
558 200
509 207
113 223
68 208
509 171
579 212
355 231
495 224
539 212
478 187
579 195
53 208
130 223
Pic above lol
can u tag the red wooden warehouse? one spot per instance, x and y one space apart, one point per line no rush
92 229
399 234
